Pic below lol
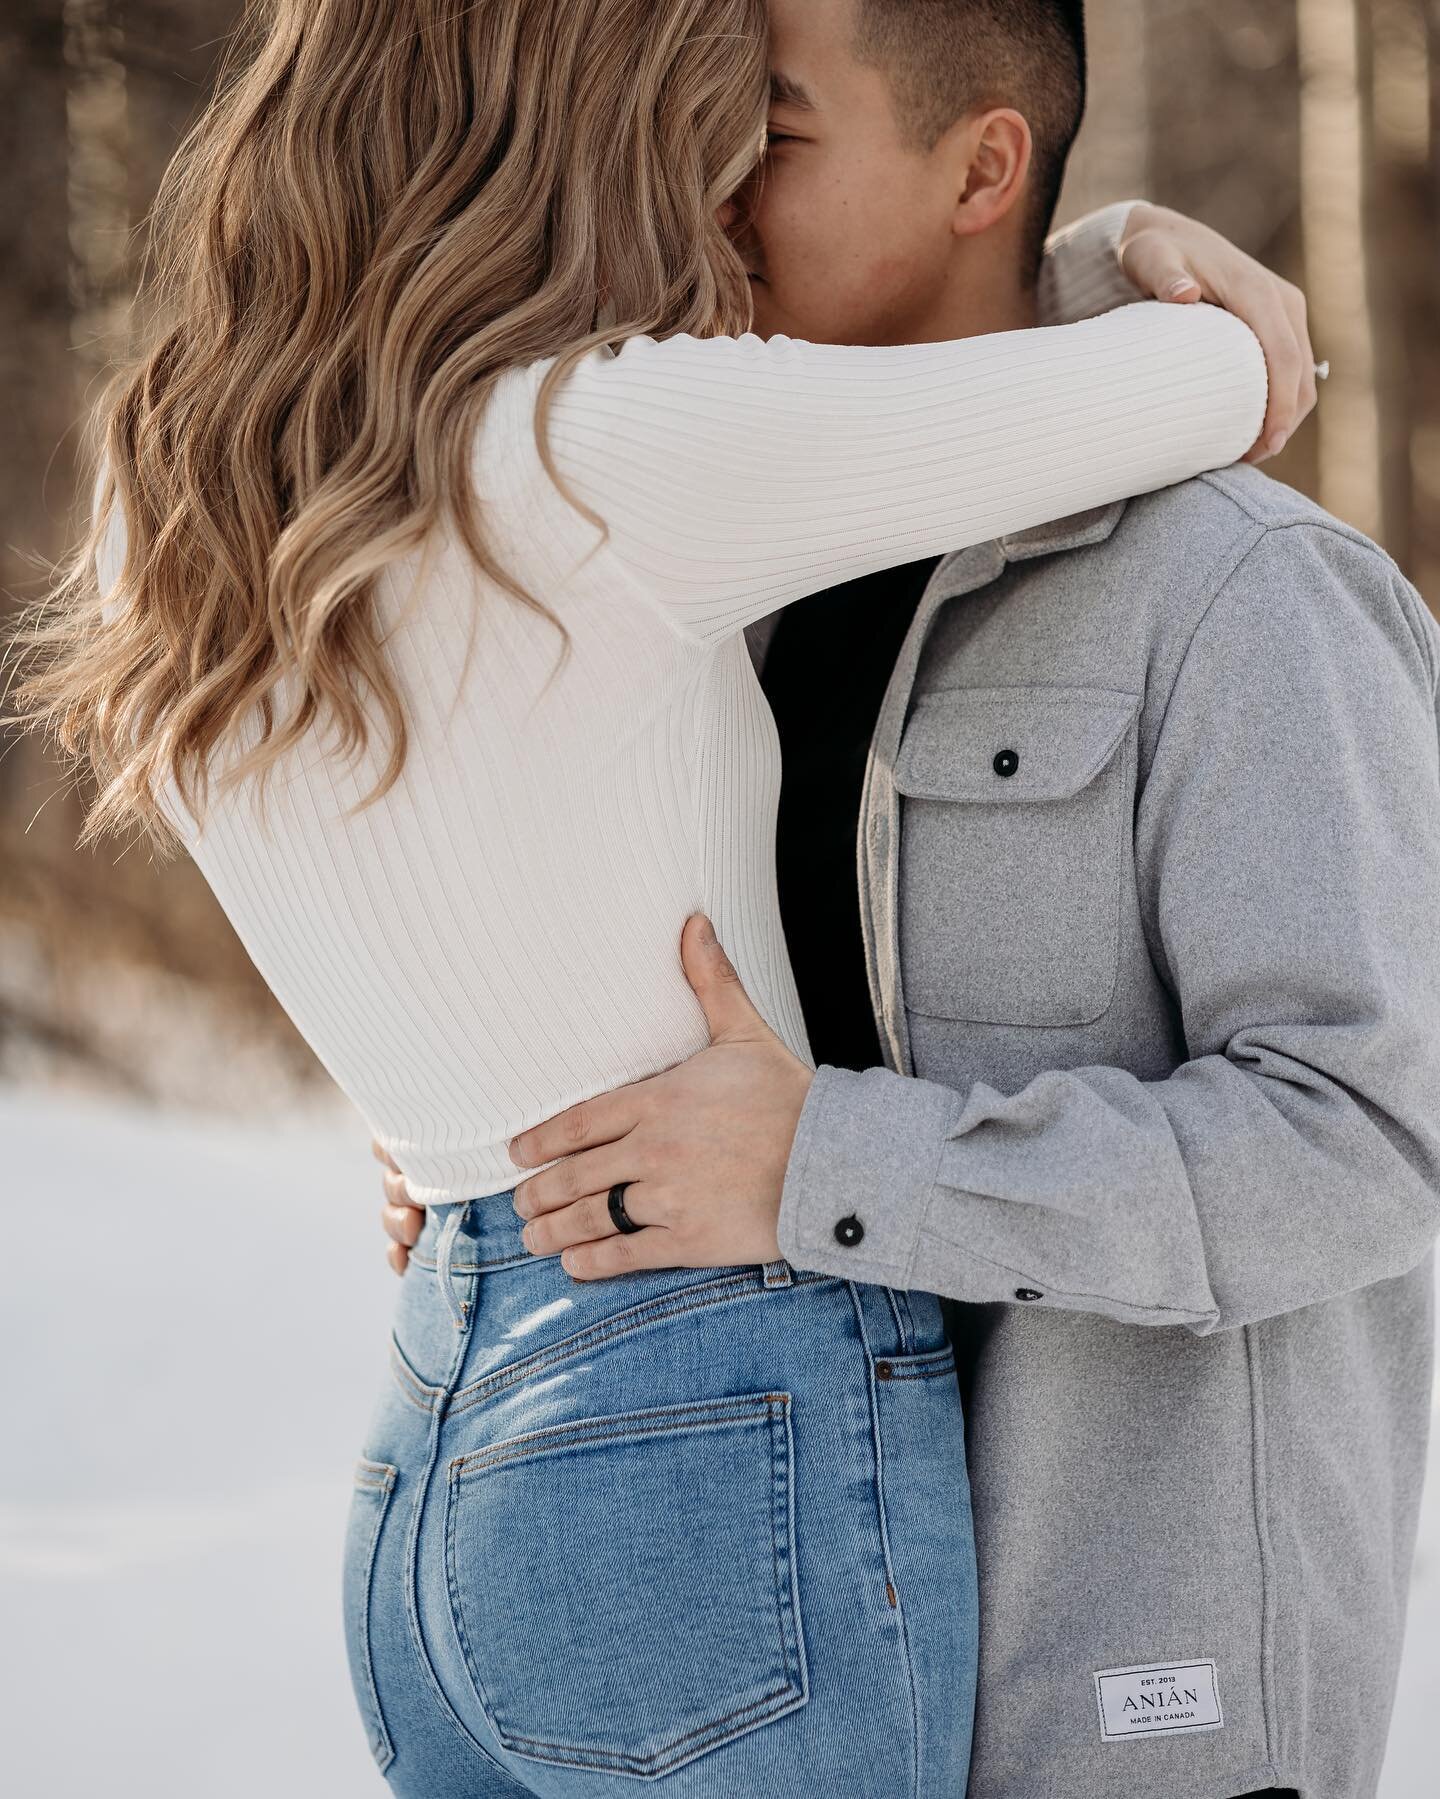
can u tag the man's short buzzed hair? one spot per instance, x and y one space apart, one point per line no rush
948 58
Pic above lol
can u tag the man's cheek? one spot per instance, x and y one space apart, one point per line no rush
813 262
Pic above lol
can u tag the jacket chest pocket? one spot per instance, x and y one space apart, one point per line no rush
1015 804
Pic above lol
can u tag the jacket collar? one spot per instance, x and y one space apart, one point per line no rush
1049 539
962 571
1060 534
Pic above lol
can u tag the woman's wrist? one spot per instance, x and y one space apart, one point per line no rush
1175 259
1082 275
1142 217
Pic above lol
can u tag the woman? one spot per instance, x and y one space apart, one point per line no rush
417 621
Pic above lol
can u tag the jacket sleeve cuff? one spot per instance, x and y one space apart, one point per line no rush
1081 276
866 1149
886 1152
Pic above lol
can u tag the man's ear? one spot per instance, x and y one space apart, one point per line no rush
993 152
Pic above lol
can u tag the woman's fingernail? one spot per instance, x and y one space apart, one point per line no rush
1181 284
1278 442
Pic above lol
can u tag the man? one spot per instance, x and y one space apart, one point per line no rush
1128 1019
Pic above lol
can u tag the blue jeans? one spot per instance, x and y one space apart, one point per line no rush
705 1529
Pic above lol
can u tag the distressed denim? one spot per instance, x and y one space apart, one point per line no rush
706 1530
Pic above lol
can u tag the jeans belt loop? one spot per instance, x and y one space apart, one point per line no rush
449 1230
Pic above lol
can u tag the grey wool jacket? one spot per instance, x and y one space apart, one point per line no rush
1149 861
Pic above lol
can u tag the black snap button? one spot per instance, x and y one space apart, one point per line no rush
1006 762
849 1231
883 1371
1028 1293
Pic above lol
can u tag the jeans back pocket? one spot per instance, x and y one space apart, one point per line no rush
624 1588
374 1484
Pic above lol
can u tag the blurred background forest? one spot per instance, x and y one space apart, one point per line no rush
1306 130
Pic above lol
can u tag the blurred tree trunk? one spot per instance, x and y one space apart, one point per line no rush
1403 298
1223 116
90 116
1433 61
93 265
1112 158
1425 443
1336 144
1399 33
34 333
98 121
1224 126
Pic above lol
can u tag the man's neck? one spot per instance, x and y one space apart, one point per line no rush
976 309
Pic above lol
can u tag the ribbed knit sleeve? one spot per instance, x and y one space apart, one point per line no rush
736 475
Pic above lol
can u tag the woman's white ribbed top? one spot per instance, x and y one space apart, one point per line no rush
498 937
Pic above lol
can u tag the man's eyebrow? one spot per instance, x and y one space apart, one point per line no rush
785 92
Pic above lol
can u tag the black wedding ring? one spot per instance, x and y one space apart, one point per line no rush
623 1221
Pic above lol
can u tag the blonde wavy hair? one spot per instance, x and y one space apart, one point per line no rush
387 205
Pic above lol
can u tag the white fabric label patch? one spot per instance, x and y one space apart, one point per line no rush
1155 1700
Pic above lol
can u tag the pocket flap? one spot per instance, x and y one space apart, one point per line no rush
1060 739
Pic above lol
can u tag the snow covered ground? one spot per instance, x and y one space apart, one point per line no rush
192 1317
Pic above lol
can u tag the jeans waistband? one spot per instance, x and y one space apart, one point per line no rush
467 1238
